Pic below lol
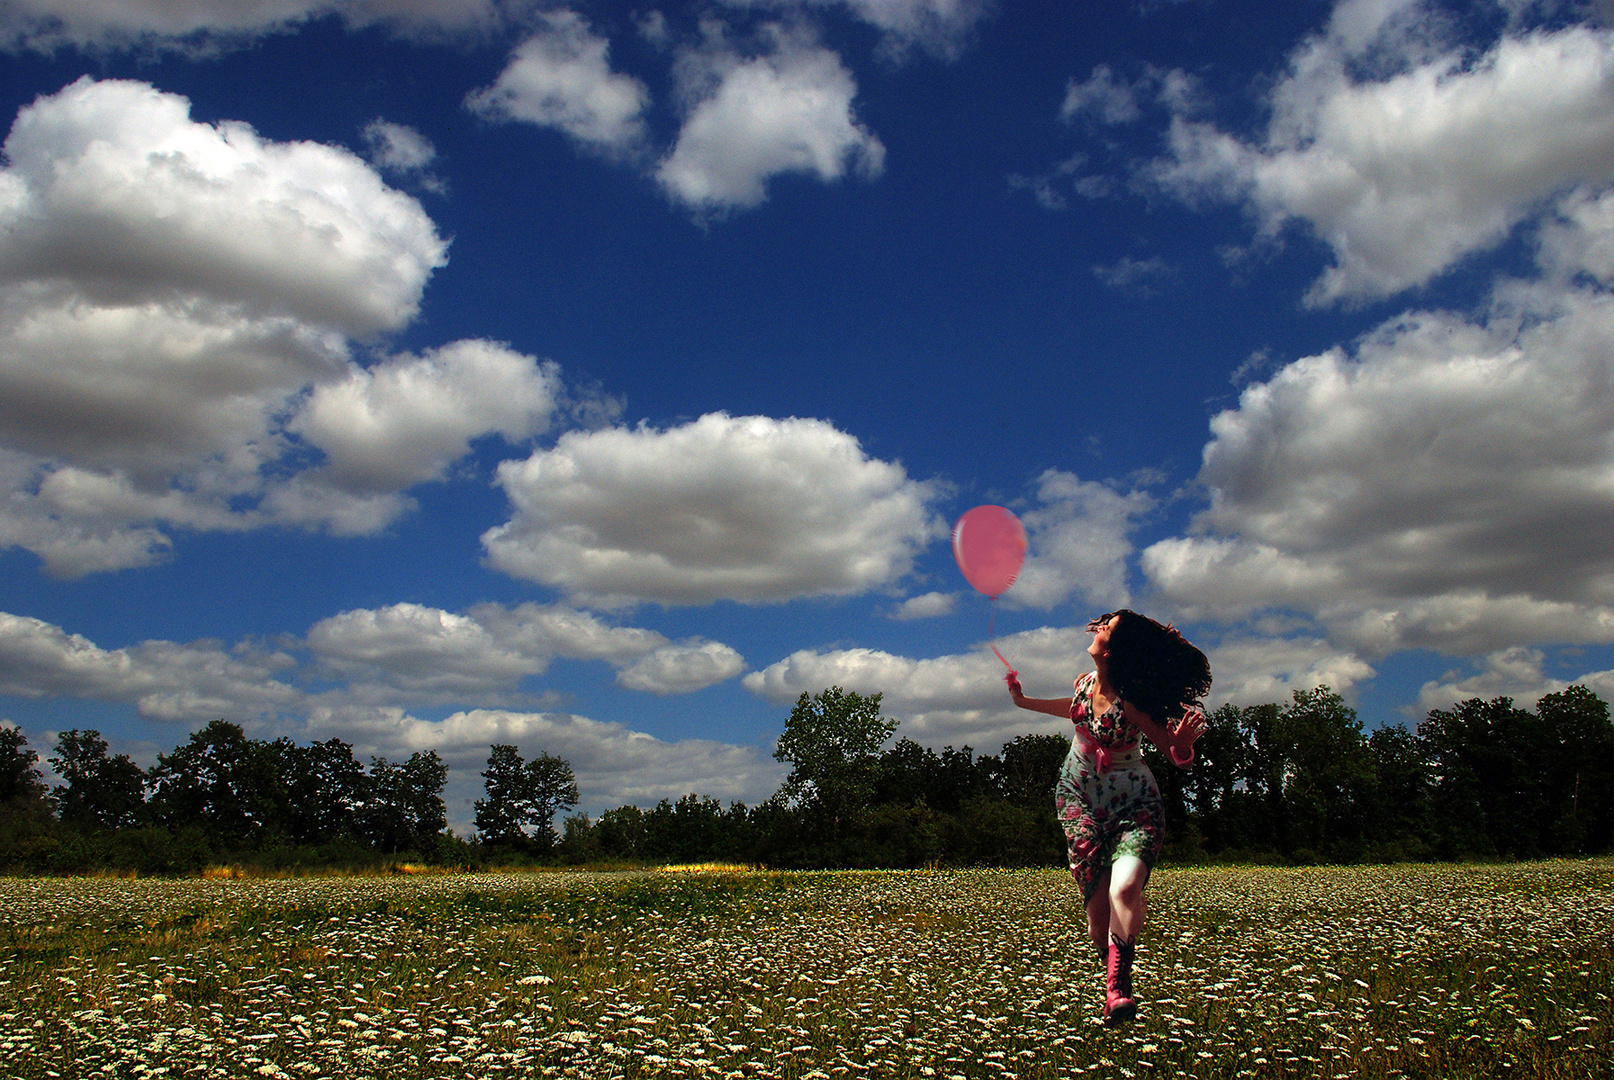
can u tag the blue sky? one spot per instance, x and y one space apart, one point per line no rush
599 378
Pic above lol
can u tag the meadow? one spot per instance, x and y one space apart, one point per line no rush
1384 971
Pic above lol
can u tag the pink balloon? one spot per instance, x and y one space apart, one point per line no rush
990 547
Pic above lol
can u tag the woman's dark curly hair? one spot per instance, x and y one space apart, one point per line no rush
1153 666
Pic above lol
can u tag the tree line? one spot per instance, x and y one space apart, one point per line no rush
219 797
1300 783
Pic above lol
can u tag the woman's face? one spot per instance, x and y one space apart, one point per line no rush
1100 647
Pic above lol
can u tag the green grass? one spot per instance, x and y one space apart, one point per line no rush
1418 971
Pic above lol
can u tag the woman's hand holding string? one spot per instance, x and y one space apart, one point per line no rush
1015 692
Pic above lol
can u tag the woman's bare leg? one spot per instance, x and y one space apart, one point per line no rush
1098 916
1126 907
1127 877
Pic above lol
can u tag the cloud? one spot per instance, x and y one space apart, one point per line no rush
402 151
213 25
682 669
1103 96
961 699
367 659
751 119
180 308
955 699
927 606
385 659
939 26
412 654
164 680
1516 673
112 188
1442 485
614 764
1579 238
1134 275
1434 156
1113 101
740 508
561 78
423 652
1079 543
1249 670
397 146
556 630
408 418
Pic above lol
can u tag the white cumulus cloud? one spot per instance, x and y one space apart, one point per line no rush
928 605
408 418
1517 672
741 508
179 303
164 680
402 151
421 650
683 668
1079 543
1403 174
212 25
754 118
112 187
561 77
1444 484
410 653
940 26
955 699
1251 670
364 662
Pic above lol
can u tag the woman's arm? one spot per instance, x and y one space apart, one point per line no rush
1176 743
1051 706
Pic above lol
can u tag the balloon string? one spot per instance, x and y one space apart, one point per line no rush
991 622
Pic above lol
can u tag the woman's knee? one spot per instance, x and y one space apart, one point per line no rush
1127 880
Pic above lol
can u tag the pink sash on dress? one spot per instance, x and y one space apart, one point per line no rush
1091 748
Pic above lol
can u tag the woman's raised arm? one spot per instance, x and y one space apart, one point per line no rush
1051 706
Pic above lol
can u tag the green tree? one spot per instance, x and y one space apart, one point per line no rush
1488 794
1029 769
324 783
832 742
1266 749
1327 777
1215 786
98 791
500 815
960 777
403 807
222 782
26 826
580 840
20 778
1579 768
906 773
1399 809
524 796
621 832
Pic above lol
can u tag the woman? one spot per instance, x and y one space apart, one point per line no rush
1147 681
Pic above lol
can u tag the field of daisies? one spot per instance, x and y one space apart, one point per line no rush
1415 971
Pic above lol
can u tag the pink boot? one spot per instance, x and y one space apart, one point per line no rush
1119 1005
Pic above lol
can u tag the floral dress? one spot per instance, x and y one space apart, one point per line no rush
1107 799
